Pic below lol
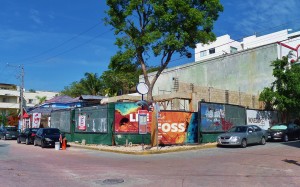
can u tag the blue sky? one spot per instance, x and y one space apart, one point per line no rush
58 41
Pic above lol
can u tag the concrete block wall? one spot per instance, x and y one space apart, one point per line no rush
210 94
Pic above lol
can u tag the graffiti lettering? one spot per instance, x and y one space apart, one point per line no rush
256 120
174 127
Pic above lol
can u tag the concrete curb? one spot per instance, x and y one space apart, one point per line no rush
146 152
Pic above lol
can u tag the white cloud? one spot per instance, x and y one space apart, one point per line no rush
35 16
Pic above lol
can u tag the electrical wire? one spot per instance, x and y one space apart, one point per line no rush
71 49
59 45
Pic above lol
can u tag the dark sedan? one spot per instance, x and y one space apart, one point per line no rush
27 136
46 137
284 132
8 132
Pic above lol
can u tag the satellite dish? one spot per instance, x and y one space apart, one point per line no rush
142 88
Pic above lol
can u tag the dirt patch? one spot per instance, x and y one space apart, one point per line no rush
146 149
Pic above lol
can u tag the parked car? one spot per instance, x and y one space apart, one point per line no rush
46 137
27 136
243 135
8 132
284 132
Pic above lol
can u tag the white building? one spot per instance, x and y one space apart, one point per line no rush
287 40
10 97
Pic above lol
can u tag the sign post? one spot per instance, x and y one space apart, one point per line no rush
143 89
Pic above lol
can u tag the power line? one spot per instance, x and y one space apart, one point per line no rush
71 49
59 45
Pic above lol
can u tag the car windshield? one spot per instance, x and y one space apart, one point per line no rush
279 127
238 129
51 131
11 129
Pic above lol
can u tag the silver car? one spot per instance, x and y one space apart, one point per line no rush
243 135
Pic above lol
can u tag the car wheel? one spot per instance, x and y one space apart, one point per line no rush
263 141
34 143
27 141
286 138
244 143
18 140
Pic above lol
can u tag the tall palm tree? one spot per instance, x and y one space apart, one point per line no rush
91 83
41 99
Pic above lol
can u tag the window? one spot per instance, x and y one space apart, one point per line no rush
30 101
202 53
233 49
212 51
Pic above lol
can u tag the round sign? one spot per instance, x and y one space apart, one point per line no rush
142 88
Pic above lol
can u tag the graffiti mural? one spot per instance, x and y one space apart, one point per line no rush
213 118
126 118
177 127
264 119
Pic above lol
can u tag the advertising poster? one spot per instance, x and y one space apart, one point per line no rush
81 122
263 119
36 120
177 127
126 118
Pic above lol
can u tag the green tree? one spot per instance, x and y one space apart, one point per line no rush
284 92
3 118
159 28
89 85
75 89
41 99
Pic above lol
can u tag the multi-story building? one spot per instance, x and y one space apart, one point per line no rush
228 67
225 45
10 97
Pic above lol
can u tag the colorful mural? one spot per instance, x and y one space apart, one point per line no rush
213 118
126 118
177 127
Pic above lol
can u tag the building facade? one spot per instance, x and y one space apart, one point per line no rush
246 69
10 98
225 45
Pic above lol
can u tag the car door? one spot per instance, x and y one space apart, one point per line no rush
22 135
258 133
38 136
291 131
251 136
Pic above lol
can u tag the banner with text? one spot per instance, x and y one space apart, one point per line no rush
175 127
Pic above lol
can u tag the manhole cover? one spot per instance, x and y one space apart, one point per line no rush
113 181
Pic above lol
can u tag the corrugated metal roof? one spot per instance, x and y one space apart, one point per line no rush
62 99
43 111
91 97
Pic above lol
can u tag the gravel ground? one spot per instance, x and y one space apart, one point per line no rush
139 149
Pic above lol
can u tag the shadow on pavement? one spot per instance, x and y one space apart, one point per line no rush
292 143
291 162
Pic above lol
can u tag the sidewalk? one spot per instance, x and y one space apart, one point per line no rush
142 150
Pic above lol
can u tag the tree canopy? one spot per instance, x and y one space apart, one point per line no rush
89 85
151 30
284 92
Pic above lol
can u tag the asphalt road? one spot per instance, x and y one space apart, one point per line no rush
274 164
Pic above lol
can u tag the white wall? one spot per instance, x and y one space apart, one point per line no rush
223 43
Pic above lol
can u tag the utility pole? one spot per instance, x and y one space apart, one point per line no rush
21 76
21 94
